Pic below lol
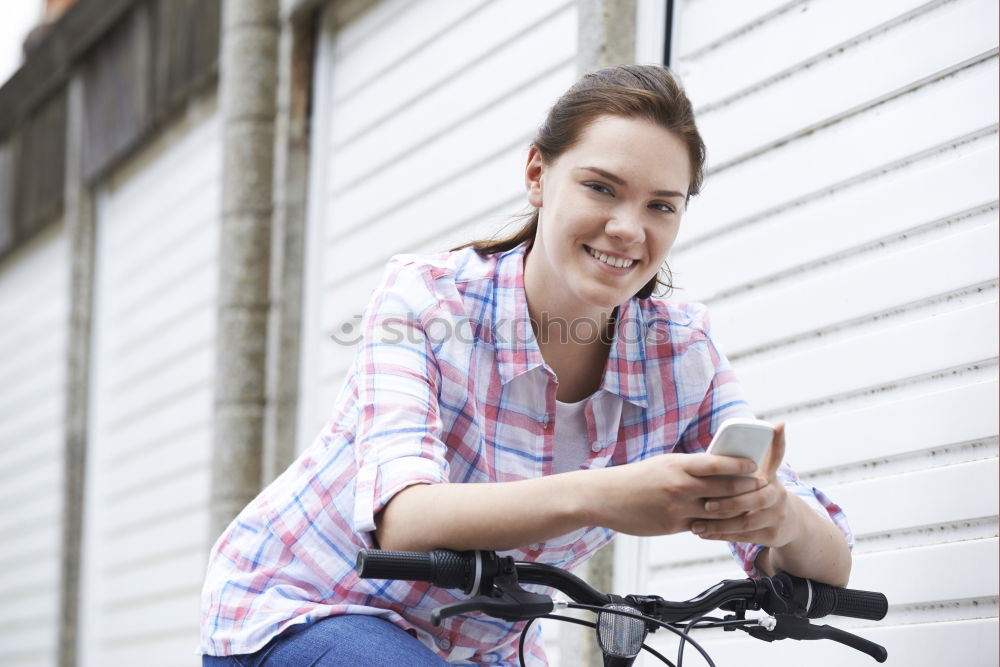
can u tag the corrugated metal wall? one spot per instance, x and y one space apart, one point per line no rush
846 242
146 525
34 312
425 113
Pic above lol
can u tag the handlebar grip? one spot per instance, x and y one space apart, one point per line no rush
443 568
847 602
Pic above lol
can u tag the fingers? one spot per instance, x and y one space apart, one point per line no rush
709 465
747 527
775 454
726 486
724 507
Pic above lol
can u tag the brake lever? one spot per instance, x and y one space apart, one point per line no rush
794 627
499 595
514 604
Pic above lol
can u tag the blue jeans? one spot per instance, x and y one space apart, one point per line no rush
354 640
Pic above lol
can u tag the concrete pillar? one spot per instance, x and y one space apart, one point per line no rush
78 214
606 32
295 70
247 83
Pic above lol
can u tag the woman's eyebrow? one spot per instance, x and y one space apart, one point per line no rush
617 180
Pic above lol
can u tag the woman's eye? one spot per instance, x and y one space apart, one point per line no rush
599 187
666 208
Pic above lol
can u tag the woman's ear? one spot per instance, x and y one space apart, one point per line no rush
533 177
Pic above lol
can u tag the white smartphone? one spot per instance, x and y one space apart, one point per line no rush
746 438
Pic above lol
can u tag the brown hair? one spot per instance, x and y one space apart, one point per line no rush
631 91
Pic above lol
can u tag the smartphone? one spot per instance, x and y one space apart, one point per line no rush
746 438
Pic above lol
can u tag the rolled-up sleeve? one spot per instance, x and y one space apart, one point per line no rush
747 553
398 439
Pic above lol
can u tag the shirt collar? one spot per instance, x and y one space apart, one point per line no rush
517 349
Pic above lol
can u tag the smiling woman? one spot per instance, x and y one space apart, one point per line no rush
508 437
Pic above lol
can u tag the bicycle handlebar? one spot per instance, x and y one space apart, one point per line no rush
494 582
443 568
466 569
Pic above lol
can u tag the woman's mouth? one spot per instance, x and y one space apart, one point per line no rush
615 262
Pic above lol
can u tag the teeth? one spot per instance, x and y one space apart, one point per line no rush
613 261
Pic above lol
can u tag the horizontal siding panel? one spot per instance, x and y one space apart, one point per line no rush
29 642
33 429
167 495
22 489
153 617
161 346
147 190
159 458
173 649
154 578
36 386
134 304
378 200
477 37
899 573
787 42
873 360
911 644
398 231
31 587
35 351
886 281
161 423
700 23
960 105
45 510
902 573
929 494
24 545
804 97
33 601
876 210
167 221
186 530
481 106
387 34
171 383
894 428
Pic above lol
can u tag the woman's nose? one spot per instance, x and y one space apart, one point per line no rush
625 226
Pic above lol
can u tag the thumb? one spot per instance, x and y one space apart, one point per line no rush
775 453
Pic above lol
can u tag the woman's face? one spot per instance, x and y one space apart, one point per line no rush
609 210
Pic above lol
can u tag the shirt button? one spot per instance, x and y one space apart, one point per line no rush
595 446
443 644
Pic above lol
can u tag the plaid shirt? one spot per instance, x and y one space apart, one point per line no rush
449 385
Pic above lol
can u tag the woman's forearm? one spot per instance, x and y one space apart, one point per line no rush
660 495
820 551
494 516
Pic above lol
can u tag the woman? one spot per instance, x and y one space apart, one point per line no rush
527 394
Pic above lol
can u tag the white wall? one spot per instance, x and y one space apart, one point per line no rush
34 321
846 242
146 535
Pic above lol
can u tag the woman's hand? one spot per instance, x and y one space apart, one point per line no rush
769 516
799 540
664 494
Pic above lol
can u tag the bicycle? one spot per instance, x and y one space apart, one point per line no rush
623 622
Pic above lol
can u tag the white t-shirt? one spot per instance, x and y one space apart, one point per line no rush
570 444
